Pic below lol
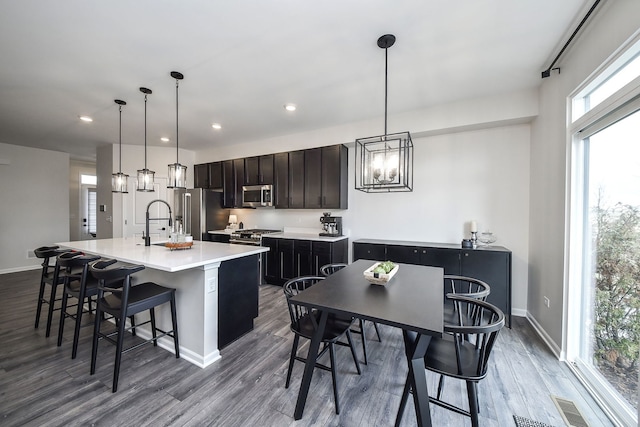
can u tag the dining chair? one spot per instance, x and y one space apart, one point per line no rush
462 286
329 269
47 254
466 356
118 298
80 285
304 322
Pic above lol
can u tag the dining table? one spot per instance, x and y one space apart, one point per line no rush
411 300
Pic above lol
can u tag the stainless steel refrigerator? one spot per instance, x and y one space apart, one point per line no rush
199 211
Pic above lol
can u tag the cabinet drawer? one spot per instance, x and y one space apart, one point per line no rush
369 251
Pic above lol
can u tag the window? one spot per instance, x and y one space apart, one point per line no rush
603 334
88 179
92 209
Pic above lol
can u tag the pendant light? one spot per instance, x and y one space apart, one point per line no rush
177 172
385 163
119 181
145 176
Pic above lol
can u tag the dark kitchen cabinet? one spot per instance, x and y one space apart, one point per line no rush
303 258
313 178
289 258
238 170
228 185
296 179
258 170
216 179
288 180
325 177
492 265
201 176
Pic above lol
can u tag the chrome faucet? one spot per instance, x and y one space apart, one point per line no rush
147 238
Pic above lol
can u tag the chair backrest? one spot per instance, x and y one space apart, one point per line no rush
62 267
329 269
466 286
77 266
294 287
116 280
477 332
46 253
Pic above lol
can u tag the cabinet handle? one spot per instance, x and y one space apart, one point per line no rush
298 265
415 251
281 265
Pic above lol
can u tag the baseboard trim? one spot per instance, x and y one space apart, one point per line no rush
20 269
557 351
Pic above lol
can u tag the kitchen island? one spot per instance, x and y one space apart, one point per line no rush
216 289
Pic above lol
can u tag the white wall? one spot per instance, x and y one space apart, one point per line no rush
481 173
614 24
34 212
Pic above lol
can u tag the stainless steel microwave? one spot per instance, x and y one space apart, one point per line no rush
257 196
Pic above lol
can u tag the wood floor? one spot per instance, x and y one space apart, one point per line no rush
40 384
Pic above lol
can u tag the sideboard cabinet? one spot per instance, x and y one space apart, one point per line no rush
491 264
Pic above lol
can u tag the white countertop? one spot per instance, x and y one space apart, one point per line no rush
134 251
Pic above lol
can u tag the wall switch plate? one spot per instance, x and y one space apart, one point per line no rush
546 302
31 254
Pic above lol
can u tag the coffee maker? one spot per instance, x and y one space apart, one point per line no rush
331 225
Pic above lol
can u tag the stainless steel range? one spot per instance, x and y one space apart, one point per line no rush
252 236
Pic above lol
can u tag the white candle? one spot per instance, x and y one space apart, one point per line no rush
473 227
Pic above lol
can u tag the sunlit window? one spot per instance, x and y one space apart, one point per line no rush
88 179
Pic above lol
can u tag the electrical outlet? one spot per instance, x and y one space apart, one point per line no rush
212 284
31 254
546 302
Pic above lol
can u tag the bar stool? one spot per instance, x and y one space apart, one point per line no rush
80 285
126 301
48 277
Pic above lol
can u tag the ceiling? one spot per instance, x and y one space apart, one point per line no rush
243 60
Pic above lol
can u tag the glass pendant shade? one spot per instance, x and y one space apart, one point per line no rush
177 176
145 180
385 163
119 180
119 183
177 172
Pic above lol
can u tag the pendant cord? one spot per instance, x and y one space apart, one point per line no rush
177 82
145 131
120 138
385 92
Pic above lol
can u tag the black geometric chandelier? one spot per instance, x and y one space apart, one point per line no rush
177 172
384 163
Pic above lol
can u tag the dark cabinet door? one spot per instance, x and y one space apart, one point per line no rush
403 254
201 176
281 180
322 255
286 259
494 268
238 169
296 179
229 186
449 259
216 180
258 170
251 171
271 261
313 178
302 254
334 177
369 251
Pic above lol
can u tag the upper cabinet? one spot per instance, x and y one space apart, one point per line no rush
325 177
305 179
258 170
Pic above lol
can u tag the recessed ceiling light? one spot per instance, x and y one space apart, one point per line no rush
290 107
216 126
86 119
164 139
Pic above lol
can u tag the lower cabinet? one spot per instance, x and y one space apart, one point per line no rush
491 265
289 258
237 303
